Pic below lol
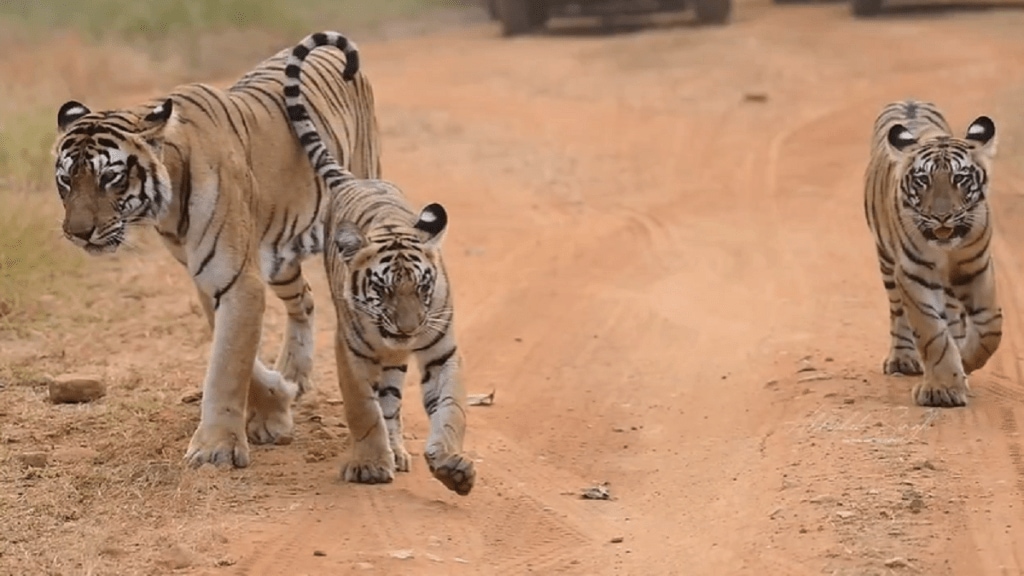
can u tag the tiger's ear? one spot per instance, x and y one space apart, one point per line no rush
899 138
152 126
68 113
349 239
433 222
983 131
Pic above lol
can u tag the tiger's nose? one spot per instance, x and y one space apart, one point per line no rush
83 233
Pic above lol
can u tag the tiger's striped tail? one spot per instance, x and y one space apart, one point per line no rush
325 165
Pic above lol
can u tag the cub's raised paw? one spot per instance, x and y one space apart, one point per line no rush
369 471
905 362
456 472
217 446
269 426
926 394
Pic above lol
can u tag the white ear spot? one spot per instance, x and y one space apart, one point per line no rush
976 130
428 216
76 111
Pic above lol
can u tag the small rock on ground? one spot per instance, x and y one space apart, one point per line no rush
76 388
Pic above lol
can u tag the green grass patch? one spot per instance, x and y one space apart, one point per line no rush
35 261
26 139
33 258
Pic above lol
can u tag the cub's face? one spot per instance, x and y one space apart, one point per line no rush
392 278
109 174
944 181
396 289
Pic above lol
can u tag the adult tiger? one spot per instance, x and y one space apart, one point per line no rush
221 177
392 299
926 203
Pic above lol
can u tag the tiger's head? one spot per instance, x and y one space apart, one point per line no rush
110 173
393 276
943 181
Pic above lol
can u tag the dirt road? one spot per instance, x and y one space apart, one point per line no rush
671 286
662 268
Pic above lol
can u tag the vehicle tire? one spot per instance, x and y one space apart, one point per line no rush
714 11
521 16
862 8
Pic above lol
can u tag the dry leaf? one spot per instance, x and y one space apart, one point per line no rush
481 399
598 492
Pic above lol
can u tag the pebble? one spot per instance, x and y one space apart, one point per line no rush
76 388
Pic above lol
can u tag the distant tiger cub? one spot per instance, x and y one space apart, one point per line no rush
925 201
393 302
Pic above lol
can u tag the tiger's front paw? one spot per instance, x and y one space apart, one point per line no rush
455 471
372 471
929 392
218 445
906 362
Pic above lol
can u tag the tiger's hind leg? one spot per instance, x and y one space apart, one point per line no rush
903 356
269 414
295 361
389 395
269 410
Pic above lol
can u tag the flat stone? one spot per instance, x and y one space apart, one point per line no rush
76 388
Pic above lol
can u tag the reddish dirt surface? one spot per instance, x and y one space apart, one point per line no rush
661 266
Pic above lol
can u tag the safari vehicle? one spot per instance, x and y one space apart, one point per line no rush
865 7
521 16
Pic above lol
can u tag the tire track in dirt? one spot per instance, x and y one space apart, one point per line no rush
524 518
532 531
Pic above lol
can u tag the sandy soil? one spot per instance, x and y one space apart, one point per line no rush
661 267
